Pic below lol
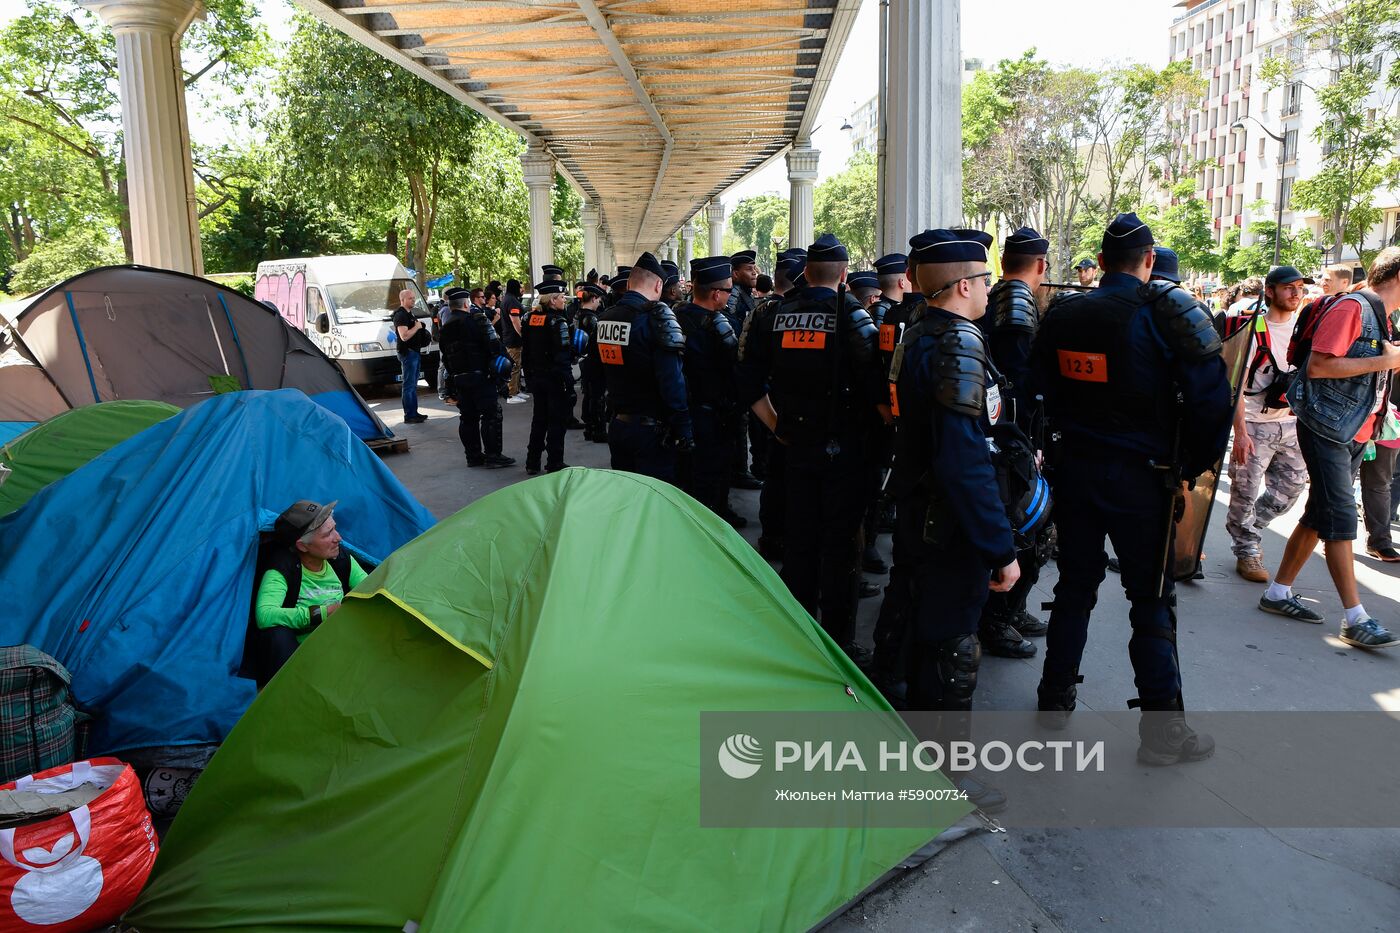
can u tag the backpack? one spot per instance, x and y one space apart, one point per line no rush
1300 344
40 727
265 650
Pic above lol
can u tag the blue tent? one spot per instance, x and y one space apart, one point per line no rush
136 570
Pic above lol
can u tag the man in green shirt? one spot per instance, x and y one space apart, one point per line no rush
306 582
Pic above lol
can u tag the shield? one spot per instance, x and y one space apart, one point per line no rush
1193 508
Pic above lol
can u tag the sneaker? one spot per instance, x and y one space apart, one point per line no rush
1292 607
515 400
1368 633
415 419
1251 567
1387 554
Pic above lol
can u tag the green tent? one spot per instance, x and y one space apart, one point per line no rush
54 448
501 731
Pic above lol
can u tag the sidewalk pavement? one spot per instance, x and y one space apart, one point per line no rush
1234 657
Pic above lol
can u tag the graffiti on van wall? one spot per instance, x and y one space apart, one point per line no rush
288 292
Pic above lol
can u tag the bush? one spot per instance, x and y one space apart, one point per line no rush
54 260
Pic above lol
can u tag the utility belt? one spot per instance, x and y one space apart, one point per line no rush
644 420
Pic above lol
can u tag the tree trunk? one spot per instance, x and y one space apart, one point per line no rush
124 217
391 240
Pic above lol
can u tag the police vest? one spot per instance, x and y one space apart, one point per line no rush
466 344
822 357
629 337
546 342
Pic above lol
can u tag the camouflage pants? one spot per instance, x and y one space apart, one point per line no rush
1277 466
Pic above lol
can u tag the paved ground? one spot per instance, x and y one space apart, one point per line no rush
1234 658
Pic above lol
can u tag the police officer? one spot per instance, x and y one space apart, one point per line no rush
639 350
594 411
772 498
476 364
1010 325
816 356
952 536
548 360
864 285
741 428
1120 367
552 273
671 283
618 286
711 351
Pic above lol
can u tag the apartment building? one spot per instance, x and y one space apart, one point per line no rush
1234 128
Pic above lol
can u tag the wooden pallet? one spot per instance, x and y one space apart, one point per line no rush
389 445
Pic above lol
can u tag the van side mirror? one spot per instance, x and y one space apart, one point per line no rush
323 322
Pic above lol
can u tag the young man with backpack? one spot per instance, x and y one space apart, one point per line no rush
1345 358
1265 452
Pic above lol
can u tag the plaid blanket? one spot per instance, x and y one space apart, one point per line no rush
39 725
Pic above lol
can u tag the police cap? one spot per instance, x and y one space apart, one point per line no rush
866 278
550 287
1126 233
593 291
1026 242
956 245
453 294
745 257
711 269
552 271
1166 265
827 249
671 272
892 264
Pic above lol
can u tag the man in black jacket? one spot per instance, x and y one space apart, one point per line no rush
475 359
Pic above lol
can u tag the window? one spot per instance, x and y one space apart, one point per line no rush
1287 192
1274 14
315 306
1261 147
1234 114
1259 191
1290 145
1239 204
1265 102
1248 75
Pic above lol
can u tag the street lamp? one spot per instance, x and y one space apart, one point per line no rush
1278 218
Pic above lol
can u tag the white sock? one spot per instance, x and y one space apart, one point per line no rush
1355 614
1278 591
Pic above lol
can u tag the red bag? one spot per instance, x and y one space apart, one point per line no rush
80 870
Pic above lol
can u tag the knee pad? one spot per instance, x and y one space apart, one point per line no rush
958 661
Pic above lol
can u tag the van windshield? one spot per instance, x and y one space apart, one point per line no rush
372 300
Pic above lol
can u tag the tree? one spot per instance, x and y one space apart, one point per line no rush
756 221
484 229
844 204
58 81
1240 262
1184 226
55 259
1346 42
369 137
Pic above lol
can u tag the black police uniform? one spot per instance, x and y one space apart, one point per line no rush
1133 381
594 408
476 361
639 349
547 360
711 350
748 437
816 354
951 528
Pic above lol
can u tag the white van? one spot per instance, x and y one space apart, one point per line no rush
346 304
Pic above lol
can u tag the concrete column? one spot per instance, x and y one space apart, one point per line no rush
802 162
688 253
590 217
670 248
159 170
714 215
538 166
922 187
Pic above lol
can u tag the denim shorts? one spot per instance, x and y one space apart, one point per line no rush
1331 507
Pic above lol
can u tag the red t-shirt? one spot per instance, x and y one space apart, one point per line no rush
1339 328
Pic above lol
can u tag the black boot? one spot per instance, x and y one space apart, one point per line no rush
872 562
1028 625
1055 701
1000 638
1165 737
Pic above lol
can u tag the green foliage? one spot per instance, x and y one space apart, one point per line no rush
55 259
844 204
566 215
1344 39
756 221
1184 226
1240 262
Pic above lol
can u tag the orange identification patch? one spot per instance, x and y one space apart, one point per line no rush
536 320
894 400
804 340
1084 367
887 338
610 353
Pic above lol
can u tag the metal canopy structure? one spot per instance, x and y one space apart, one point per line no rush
651 107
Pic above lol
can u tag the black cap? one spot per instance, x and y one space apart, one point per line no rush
1166 265
1126 232
1086 263
1025 242
827 249
790 263
1284 275
745 257
672 272
593 291
622 273
957 245
551 271
452 294
301 519
710 269
649 263
866 278
892 264
550 287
